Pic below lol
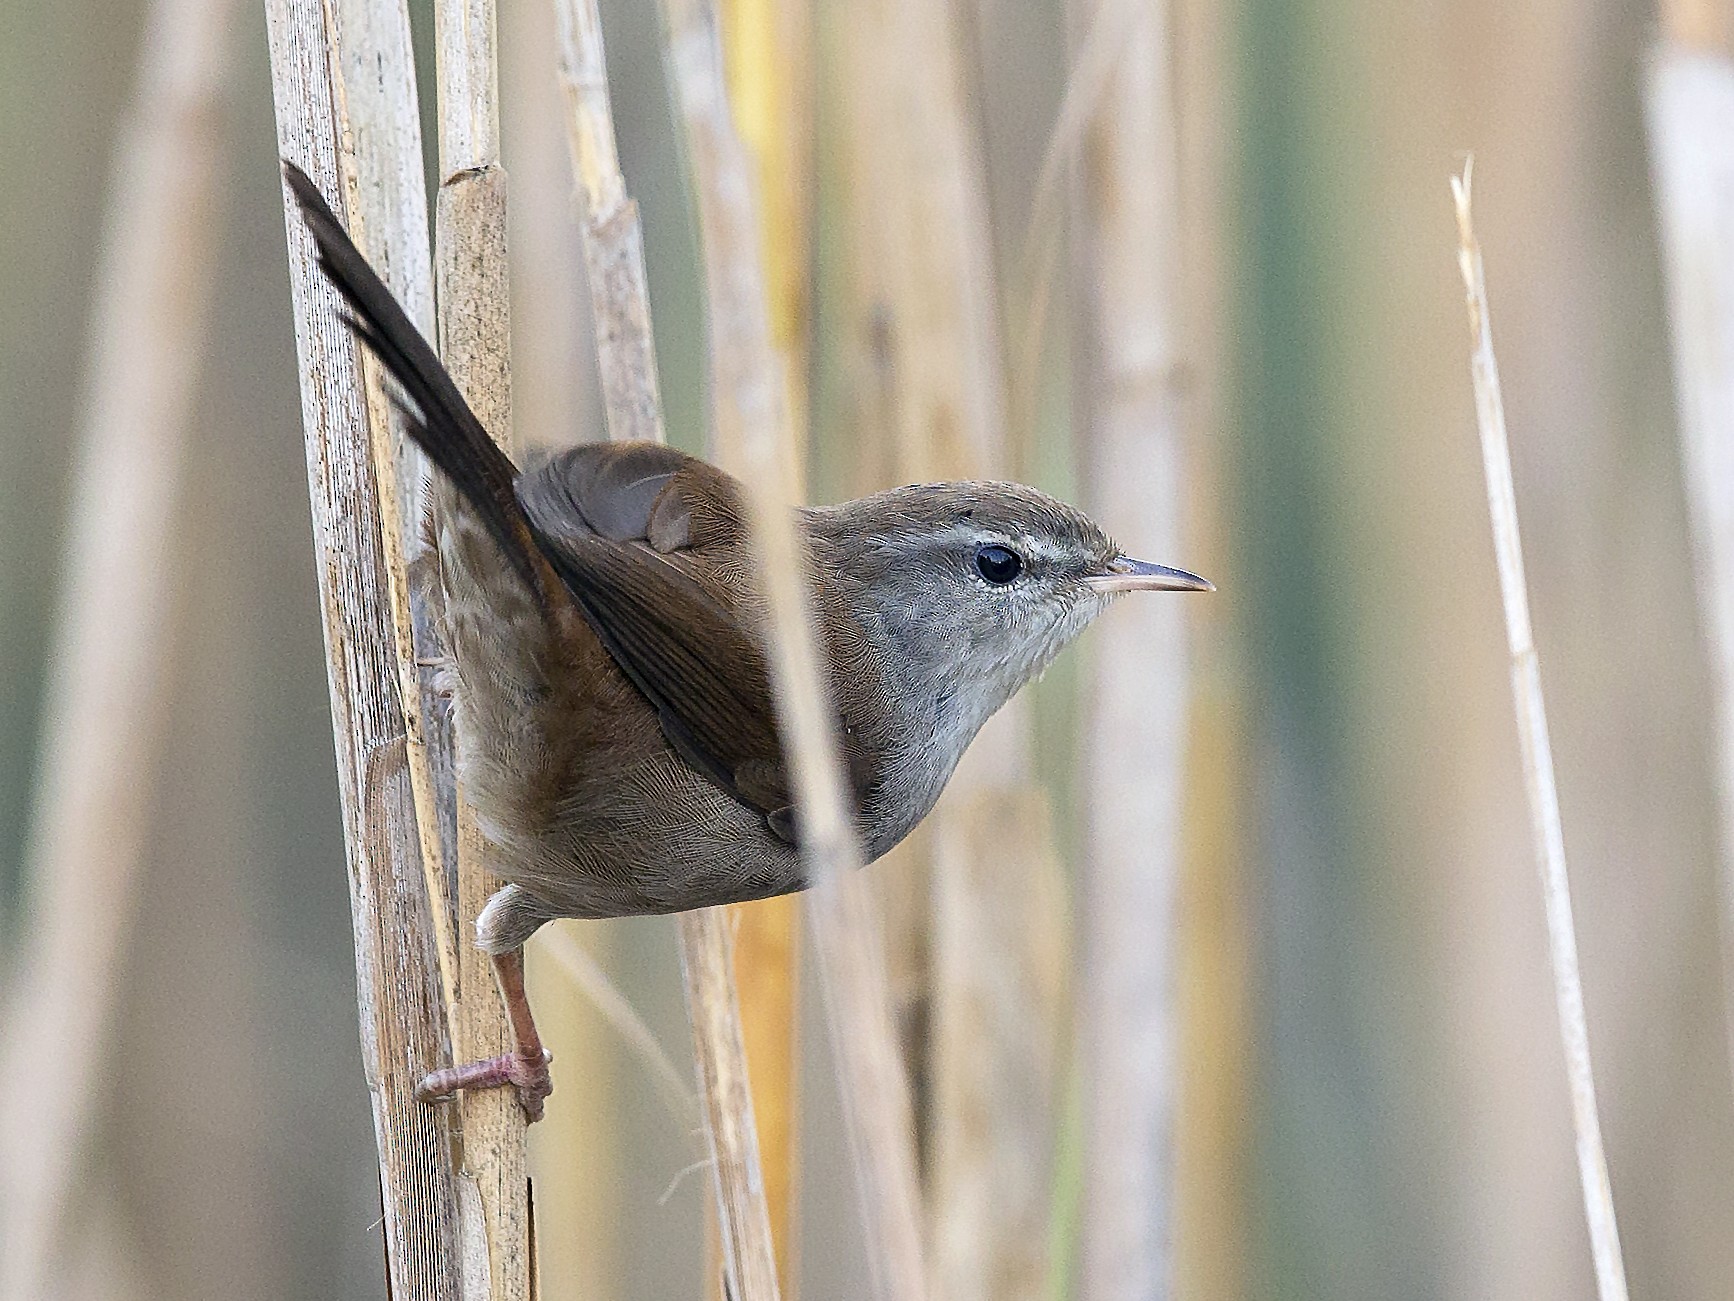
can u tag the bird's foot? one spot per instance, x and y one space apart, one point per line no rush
526 1072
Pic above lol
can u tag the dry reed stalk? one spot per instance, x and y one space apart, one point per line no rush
613 239
1135 729
626 354
768 58
386 199
475 344
753 441
1106 27
386 204
766 972
927 240
1691 104
1213 1038
999 992
579 1152
982 929
104 710
403 1022
1538 774
383 110
1214 1054
743 1224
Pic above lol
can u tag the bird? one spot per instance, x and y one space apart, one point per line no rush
616 732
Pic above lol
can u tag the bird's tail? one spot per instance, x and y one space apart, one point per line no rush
436 415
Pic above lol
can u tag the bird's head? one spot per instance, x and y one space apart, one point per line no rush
973 588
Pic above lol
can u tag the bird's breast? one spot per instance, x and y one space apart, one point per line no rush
918 743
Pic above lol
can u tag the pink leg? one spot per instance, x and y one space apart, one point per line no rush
525 1068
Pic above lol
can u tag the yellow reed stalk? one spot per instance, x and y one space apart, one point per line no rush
767 44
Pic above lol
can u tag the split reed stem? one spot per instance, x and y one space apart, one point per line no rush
470 269
399 993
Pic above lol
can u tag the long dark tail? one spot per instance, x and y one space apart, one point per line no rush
435 413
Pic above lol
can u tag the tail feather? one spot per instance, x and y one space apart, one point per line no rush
436 415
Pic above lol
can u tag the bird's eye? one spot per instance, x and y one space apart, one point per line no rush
999 565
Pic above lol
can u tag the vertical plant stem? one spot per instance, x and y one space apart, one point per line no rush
765 971
1538 774
1691 104
749 1265
475 344
768 47
384 114
386 199
613 239
402 1018
1103 32
753 441
1135 728
580 1151
626 354
383 110
926 234
104 712
981 933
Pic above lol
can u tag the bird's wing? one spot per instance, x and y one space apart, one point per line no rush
627 526
627 529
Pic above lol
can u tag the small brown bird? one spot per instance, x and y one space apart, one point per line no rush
616 733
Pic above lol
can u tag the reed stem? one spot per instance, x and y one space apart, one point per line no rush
1538 775
626 353
754 442
1135 730
1691 103
399 991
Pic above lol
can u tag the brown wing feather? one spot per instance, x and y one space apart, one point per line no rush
604 517
625 525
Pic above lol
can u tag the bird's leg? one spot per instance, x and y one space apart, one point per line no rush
525 1067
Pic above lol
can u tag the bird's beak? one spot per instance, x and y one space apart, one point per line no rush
1128 575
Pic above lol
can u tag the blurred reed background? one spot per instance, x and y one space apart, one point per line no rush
1370 1093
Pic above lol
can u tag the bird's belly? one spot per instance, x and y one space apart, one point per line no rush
654 837
603 819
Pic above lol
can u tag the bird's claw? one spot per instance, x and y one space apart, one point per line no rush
526 1072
